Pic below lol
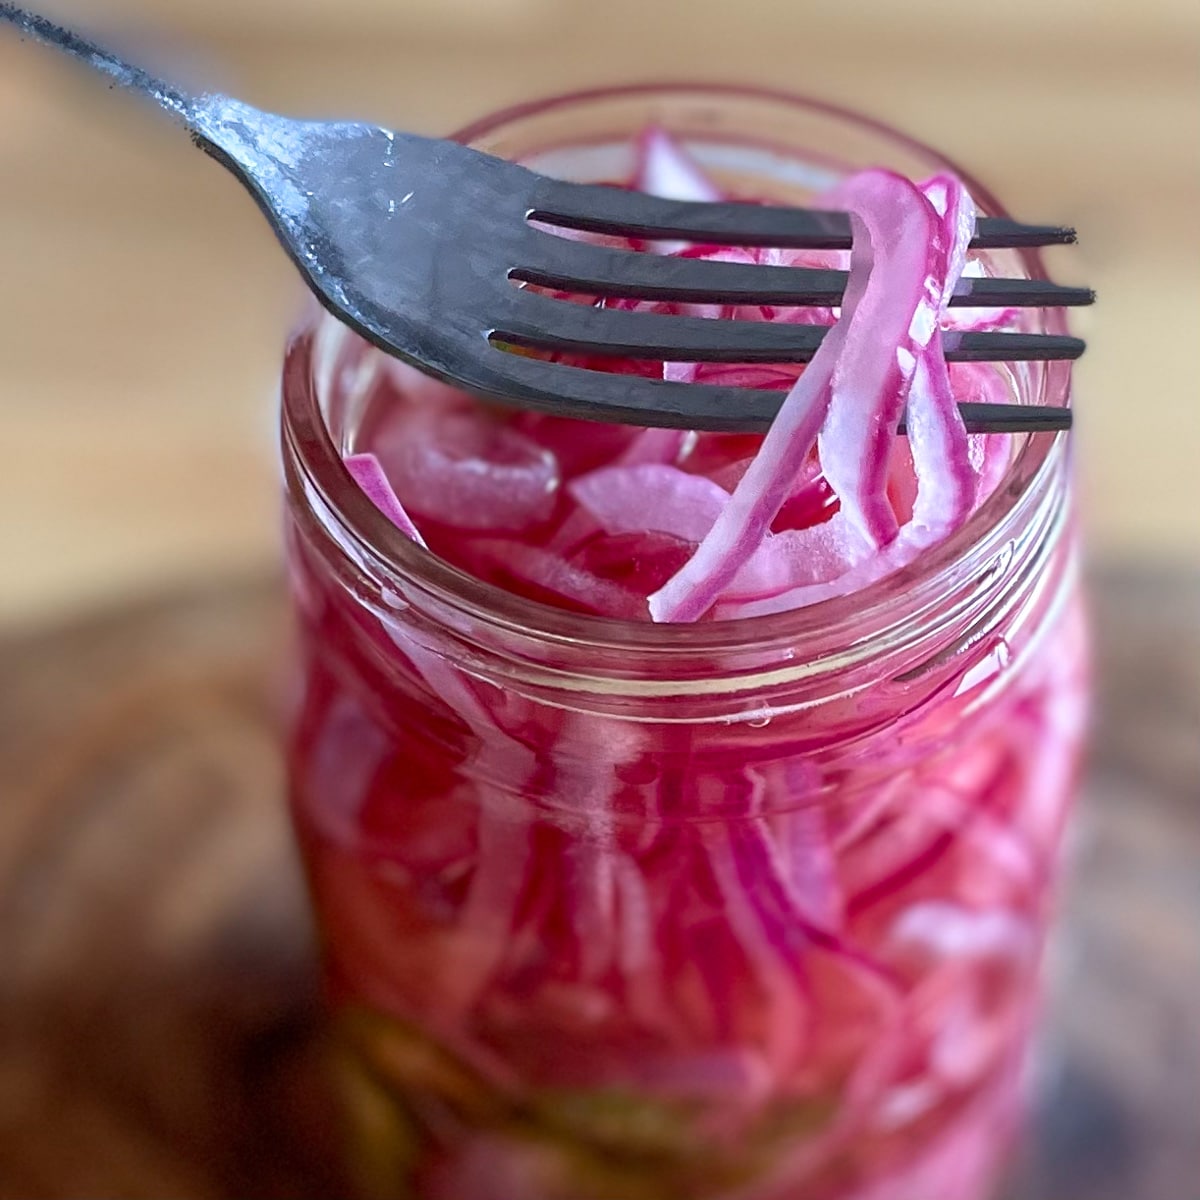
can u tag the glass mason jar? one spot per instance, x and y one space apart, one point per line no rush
745 910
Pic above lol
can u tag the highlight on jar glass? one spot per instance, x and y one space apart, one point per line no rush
683 812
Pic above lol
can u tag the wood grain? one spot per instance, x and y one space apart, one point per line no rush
144 305
160 1034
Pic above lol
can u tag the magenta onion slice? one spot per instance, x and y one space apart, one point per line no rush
910 249
864 365
747 517
936 434
896 234
368 474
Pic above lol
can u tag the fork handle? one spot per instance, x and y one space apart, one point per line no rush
176 102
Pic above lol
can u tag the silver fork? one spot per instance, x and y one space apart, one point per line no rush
421 246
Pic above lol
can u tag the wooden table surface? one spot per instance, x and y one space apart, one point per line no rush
143 304
159 1029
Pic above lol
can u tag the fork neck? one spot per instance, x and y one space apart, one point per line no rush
229 130
75 45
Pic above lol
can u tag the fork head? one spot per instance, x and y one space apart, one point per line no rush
418 245
407 240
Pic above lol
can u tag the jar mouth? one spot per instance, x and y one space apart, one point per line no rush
856 621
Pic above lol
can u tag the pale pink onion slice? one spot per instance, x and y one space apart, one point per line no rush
466 469
665 169
651 498
552 573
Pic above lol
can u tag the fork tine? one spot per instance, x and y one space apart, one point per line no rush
975 291
571 266
564 390
600 271
1010 347
599 209
545 323
557 325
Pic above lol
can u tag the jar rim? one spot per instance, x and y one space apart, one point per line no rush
860 619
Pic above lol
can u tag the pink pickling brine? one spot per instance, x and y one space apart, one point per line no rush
683 812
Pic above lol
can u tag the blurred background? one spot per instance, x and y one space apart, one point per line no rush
144 303
157 1015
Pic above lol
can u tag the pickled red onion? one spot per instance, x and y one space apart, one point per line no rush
369 476
859 504
651 498
852 393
